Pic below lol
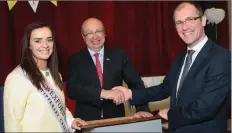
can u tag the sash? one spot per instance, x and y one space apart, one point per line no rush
56 104
54 100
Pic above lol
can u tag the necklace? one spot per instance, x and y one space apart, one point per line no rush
47 73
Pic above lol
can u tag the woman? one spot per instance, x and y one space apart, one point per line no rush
33 96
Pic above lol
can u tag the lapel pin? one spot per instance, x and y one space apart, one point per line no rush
107 58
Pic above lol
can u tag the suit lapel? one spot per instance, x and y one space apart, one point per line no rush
180 63
202 55
106 64
90 67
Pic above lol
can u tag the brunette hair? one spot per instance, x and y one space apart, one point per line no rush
28 63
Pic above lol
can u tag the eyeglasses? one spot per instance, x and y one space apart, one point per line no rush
188 21
91 34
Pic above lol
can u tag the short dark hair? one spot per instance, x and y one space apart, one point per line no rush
28 63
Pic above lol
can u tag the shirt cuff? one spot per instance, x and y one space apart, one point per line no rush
69 123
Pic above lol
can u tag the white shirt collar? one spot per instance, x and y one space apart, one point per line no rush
101 52
197 48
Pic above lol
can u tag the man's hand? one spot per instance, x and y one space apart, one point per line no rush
164 113
142 114
77 123
126 93
115 95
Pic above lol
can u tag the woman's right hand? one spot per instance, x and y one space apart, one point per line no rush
77 123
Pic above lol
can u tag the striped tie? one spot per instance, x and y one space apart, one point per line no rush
186 69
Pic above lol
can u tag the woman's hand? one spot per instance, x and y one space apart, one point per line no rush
77 123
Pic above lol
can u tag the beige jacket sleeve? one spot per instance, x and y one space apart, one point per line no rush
69 119
16 93
69 116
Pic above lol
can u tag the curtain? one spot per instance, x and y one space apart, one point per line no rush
144 29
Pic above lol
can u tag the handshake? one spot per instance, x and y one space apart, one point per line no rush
118 94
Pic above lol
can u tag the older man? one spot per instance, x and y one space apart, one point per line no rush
94 71
198 82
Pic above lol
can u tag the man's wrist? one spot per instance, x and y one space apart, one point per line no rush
102 93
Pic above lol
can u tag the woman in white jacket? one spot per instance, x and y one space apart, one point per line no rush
33 95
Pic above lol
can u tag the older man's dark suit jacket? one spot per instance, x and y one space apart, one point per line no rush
83 83
202 101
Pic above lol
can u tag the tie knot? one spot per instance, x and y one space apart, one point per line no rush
96 55
190 52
